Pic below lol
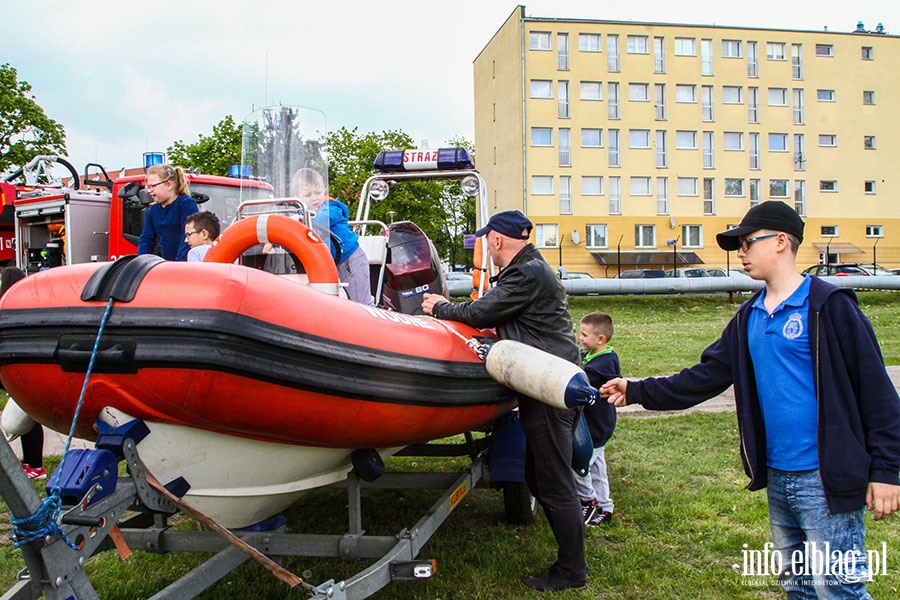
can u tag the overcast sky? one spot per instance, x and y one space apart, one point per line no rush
126 77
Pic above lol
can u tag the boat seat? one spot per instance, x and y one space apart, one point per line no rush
375 247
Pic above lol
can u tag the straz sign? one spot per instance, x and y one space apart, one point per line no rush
420 160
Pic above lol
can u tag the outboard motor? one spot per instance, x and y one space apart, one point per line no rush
412 268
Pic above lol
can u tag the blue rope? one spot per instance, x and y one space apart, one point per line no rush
45 521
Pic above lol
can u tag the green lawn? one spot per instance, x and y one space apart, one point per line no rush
682 519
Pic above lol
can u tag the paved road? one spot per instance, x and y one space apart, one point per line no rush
55 443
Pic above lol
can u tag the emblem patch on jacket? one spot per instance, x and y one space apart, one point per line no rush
794 327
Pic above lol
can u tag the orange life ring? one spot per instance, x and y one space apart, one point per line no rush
481 266
293 235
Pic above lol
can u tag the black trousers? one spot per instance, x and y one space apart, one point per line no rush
549 474
33 447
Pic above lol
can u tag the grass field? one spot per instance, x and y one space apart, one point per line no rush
682 519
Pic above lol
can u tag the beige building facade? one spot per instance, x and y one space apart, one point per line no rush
630 145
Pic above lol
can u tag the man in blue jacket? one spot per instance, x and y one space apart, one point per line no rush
818 415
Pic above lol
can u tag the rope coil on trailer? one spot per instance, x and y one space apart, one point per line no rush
45 521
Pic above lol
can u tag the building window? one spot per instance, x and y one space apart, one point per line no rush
539 40
685 93
874 231
731 48
638 138
709 150
595 236
709 196
707 104
824 50
591 185
639 92
800 197
798 112
829 231
612 94
825 95
753 105
778 188
562 51
732 94
752 59
662 195
799 152
869 142
755 187
660 101
685 46
546 235
565 147
827 140
691 236
542 185
868 53
778 142
828 185
796 62
662 159
591 138
541 136
637 44
565 195
591 90
775 51
686 140
612 53
614 160
645 236
868 97
706 57
778 97
659 55
733 140
589 42
869 187
687 186
615 195
640 186
541 88
734 188
562 89
754 150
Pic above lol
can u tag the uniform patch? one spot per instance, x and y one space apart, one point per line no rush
794 327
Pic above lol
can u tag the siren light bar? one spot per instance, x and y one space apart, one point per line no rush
444 159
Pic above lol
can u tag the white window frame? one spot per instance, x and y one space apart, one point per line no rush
874 231
775 51
686 139
731 49
733 141
825 95
828 186
638 44
590 91
615 195
565 194
563 104
539 40
641 233
870 186
594 233
542 185
777 96
639 138
775 186
830 231
706 57
586 42
732 94
546 235
692 236
537 135
592 185
688 186
615 148
734 187
662 158
686 93
869 97
828 140
685 46
639 186
778 142
662 195
826 50
538 86
612 53
587 133
869 142
639 92
612 100
565 147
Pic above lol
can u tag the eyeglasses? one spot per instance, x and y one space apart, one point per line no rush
188 235
150 186
745 243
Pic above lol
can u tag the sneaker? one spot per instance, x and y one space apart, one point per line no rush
601 518
553 582
588 511
34 472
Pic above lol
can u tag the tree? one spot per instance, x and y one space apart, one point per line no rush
25 129
212 155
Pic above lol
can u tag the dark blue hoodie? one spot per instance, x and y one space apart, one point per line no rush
858 406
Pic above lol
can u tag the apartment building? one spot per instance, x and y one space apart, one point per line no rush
632 144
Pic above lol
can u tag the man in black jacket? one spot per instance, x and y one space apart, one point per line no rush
528 304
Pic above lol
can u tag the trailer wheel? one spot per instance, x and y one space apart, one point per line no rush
519 505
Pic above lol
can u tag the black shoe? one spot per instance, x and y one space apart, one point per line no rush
554 582
588 511
601 518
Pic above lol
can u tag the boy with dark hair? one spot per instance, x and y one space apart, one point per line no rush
200 231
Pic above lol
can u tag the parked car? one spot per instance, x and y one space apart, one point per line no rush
458 283
642 274
692 272
837 270
577 275
876 269
720 272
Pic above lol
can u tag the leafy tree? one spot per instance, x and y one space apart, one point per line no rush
212 155
25 129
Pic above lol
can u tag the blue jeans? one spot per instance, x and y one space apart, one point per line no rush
822 556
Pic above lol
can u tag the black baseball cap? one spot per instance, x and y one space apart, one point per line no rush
772 214
510 223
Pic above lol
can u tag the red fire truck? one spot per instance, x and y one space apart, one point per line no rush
93 218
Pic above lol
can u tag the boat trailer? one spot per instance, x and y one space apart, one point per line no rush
135 513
